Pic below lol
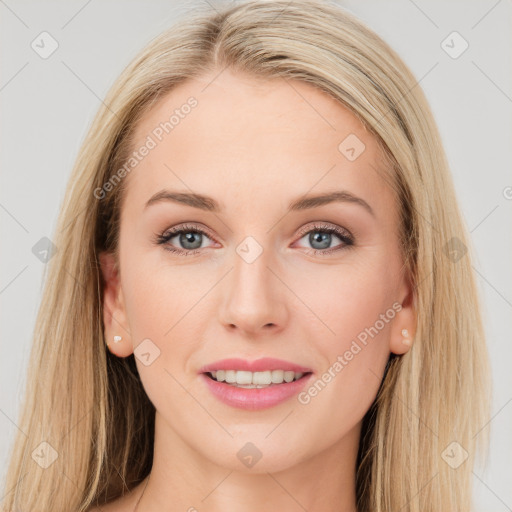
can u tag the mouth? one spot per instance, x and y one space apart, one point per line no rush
254 384
256 380
275 382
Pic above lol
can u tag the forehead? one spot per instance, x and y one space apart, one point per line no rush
248 142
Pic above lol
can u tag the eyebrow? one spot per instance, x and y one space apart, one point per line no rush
209 204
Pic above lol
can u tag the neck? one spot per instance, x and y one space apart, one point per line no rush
183 479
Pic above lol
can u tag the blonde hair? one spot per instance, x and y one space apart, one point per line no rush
90 406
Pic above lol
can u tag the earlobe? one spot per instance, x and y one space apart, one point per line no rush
404 324
402 339
117 335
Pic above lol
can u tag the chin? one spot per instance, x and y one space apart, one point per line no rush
256 455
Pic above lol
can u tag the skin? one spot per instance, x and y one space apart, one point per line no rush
254 146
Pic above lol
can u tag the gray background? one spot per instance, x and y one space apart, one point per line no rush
48 104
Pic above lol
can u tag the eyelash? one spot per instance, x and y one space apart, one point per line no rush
342 234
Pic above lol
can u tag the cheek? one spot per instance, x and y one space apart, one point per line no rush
146 308
158 307
349 327
346 300
162 304
352 341
158 294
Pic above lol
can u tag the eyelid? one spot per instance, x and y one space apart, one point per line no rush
186 226
321 225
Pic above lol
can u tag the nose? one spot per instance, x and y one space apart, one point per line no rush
254 299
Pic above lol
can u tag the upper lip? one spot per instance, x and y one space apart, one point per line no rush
258 365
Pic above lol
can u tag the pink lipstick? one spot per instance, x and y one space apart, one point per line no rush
254 385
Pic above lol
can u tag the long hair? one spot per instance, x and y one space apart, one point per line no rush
88 407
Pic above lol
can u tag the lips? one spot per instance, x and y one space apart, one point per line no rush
259 365
254 398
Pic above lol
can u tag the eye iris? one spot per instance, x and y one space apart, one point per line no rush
322 237
188 237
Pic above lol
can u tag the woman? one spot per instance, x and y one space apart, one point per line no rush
262 294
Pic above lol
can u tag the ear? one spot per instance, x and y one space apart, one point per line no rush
114 314
404 319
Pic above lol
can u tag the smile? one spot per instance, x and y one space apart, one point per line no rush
254 397
246 379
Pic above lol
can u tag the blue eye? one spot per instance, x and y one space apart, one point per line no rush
320 237
191 238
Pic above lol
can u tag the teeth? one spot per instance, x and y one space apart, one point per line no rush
242 378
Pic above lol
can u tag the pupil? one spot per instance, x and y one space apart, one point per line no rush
186 238
323 238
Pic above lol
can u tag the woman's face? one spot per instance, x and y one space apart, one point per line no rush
319 285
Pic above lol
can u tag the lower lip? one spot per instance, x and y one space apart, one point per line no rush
255 398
